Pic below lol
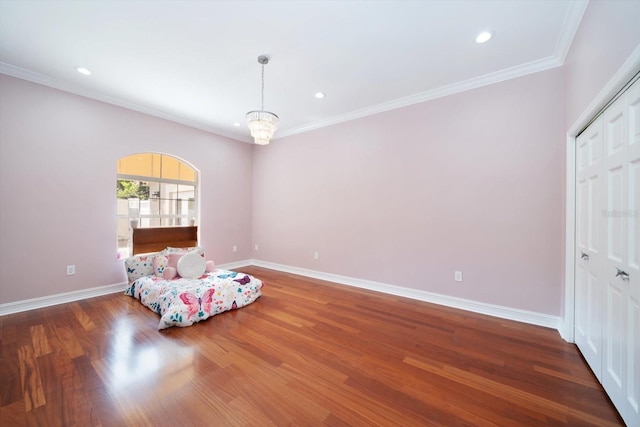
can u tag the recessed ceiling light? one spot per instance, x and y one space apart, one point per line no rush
319 95
236 124
83 70
483 37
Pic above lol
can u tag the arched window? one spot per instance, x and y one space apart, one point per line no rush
154 190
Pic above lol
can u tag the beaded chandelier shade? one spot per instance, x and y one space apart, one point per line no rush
262 124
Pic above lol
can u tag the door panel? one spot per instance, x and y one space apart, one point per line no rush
588 292
594 333
633 359
607 294
634 212
621 270
615 331
614 128
615 208
631 412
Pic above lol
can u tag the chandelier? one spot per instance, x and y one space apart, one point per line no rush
262 124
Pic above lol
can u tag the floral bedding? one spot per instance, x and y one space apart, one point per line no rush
183 302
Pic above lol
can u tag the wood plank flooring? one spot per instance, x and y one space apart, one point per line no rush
306 353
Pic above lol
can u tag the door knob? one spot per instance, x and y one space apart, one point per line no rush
584 256
623 274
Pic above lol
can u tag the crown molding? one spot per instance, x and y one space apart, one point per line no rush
23 73
42 79
463 86
570 26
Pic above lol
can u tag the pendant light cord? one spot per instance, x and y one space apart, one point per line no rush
262 105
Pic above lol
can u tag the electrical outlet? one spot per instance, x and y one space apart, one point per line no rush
457 276
235 248
256 247
316 255
71 270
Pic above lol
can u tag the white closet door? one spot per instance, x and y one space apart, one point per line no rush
588 291
632 393
620 267
607 284
632 291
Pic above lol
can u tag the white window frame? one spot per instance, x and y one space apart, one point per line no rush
189 218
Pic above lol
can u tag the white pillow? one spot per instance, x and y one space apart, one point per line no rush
139 265
192 265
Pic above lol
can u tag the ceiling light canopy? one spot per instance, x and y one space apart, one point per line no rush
483 37
262 124
319 95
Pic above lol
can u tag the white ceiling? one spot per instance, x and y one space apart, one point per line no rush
195 62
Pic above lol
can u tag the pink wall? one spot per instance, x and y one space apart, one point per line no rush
469 182
608 33
58 156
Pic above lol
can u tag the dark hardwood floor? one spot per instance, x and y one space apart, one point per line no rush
307 353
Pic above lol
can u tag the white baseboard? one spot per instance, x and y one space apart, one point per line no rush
460 303
566 331
502 312
41 302
234 265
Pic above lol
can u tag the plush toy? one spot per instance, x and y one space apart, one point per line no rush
190 265
169 273
210 266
